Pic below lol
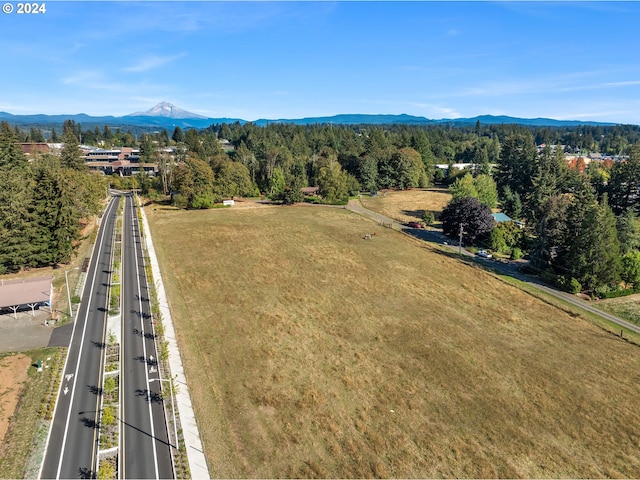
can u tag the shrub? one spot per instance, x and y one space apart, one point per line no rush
179 200
574 286
108 416
570 285
428 217
202 201
106 471
549 277
516 253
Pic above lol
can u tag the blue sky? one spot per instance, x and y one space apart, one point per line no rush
254 60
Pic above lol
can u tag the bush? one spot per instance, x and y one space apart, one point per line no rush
618 292
570 285
548 276
202 202
179 200
106 471
516 253
108 416
428 217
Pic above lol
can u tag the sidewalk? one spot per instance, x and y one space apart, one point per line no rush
195 453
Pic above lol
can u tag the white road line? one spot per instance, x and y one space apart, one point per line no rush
144 347
84 330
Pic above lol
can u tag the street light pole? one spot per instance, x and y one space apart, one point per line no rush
66 279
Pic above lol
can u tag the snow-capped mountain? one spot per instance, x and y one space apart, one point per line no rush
166 110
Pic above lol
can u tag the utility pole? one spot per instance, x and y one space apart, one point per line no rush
460 240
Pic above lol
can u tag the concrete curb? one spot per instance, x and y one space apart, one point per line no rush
195 453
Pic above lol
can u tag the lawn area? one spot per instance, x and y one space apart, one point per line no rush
310 352
408 205
625 307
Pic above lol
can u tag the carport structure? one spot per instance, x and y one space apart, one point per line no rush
28 292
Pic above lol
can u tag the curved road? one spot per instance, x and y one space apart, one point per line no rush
505 268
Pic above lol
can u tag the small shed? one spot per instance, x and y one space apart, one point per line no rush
25 293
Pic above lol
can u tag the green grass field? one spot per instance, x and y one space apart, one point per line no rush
310 352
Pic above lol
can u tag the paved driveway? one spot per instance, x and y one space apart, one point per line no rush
25 332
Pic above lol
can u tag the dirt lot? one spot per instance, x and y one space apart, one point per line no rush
13 374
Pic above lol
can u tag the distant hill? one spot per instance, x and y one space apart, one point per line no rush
166 115
357 119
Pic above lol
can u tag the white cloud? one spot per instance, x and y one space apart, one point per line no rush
151 62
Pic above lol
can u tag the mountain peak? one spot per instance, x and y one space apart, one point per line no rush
166 110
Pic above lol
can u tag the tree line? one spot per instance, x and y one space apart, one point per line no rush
581 224
44 202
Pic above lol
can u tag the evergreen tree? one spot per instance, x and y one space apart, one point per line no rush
592 253
57 217
624 184
177 135
71 155
16 248
511 203
368 173
35 135
517 164
628 231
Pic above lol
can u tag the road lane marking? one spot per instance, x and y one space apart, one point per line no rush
144 347
84 331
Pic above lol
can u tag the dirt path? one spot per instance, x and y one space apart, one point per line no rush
13 374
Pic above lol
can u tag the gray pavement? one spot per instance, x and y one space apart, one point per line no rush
25 332
195 452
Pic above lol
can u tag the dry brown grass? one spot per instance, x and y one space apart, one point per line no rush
409 205
310 352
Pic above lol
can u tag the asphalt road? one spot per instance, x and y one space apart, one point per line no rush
145 449
72 444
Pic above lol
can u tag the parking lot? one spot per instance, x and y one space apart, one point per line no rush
26 332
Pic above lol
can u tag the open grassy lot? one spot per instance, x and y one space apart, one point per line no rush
408 205
311 352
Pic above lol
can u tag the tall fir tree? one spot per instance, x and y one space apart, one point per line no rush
16 248
71 155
